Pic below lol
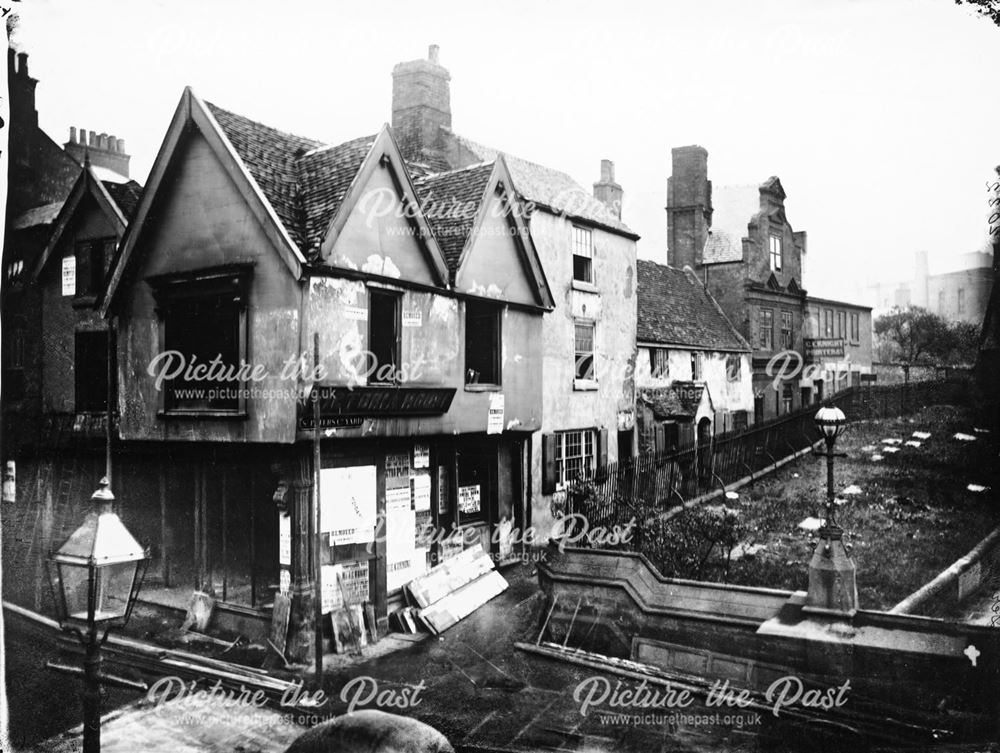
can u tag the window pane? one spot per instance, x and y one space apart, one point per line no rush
382 336
482 343
584 350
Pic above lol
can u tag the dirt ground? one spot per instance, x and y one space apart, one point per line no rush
911 513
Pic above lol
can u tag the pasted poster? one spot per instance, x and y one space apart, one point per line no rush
494 420
343 583
284 539
347 504
421 456
421 492
468 499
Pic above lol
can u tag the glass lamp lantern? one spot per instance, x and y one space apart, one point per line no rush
97 572
831 422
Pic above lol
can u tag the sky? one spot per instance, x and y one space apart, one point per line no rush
878 116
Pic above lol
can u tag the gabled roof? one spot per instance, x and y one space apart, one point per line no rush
192 113
453 199
116 200
733 207
456 205
550 188
675 309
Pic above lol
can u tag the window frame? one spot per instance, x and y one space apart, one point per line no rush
591 376
486 310
961 301
787 333
766 317
828 322
561 457
229 284
84 388
697 366
776 249
855 328
842 325
397 323
583 240
734 374
661 371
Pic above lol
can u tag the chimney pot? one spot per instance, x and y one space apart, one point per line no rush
607 171
72 134
121 145
432 53
22 63
93 139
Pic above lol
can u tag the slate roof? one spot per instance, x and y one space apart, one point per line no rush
125 195
549 187
304 180
451 200
675 309
732 209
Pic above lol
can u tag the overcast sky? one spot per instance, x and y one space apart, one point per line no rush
879 116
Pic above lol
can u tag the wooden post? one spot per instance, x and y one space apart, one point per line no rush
315 519
164 547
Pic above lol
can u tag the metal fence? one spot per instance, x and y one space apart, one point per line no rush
635 486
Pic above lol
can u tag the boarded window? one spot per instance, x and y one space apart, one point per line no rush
696 367
659 363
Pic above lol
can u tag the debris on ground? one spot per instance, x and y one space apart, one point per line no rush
921 434
964 437
732 495
869 448
811 524
852 489
877 458
976 488
892 440
912 443
890 449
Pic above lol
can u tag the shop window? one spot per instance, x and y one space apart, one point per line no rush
583 254
842 325
659 363
766 330
786 398
90 367
203 318
584 349
482 343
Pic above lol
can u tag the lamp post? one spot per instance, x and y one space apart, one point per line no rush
833 589
95 577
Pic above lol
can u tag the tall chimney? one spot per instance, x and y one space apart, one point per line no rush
72 134
101 150
421 105
607 191
689 206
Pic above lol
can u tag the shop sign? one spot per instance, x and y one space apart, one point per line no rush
826 347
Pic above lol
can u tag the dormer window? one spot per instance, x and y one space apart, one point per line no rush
775 253
583 254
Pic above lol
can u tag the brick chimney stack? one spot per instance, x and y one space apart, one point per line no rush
689 206
607 191
421 105
103 150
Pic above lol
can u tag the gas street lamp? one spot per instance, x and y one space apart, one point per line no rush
833 589
95 577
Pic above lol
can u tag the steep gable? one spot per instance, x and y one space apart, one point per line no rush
480 222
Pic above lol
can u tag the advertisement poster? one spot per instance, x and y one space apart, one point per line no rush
347 504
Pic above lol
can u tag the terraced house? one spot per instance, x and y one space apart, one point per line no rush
322 282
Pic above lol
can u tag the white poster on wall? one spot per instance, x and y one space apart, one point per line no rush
347 504
69 275
494 420
421 492
285 539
